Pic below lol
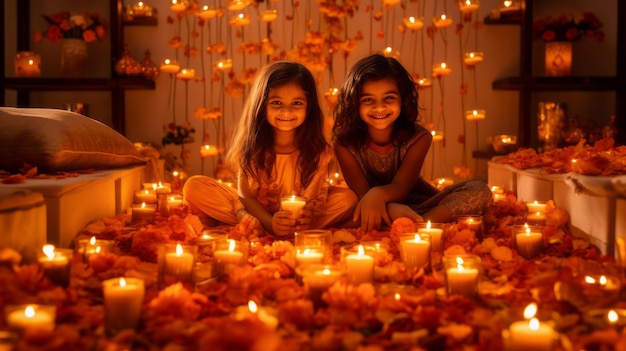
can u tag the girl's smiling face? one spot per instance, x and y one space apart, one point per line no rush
380 105
286 107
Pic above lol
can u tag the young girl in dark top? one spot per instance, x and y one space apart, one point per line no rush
381 146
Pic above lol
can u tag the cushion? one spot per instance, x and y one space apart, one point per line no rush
58 140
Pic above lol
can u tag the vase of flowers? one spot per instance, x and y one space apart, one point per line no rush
74 31
559 32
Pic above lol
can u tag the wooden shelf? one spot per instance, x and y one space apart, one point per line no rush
73 84
141 21
559 83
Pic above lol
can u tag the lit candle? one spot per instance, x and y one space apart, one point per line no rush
317 279
497 189
435 235
443 182
610 284
359 267
27 64
207 12
536 206
468 6
31 316
56 264
462 275
509 6
224 65
208 151
123 300
425 83
474 223
92 246
143 212
186 74
471 59
163 188
238 5
437 135
441 70
170 66
475 115
531 335
225 256
179 264
140 9
442 21
264 314
269 15
308 256
293 204
332 96
413 23
178 6
147 196
538 218
239 20
498 197
415 250
529 243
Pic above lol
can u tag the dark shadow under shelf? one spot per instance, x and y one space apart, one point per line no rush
72 84
559 84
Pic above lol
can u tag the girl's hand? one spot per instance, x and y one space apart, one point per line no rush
397 210
247 223
305 219
372 208
283 223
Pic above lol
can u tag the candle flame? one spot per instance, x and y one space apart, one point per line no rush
143 205
612 316
459 264
361 251
397 296
603 280
147 192
589 280
417 237
231 245
527 230
508 3
92 241
29 311
98 249
534 324
166 61
428 225
140 4
252 306
412 19
48 250
122 282
326 271
179 250
443 17
530 311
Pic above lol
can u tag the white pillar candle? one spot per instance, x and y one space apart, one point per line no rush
163 188
227 253
317 278
293 204
474 223
31 316
536 206
531 335
174 201
415 251
462 273
179 263
537 218
143 212
435 235
308 256
147 196
56 264
123 300
359 267
529 242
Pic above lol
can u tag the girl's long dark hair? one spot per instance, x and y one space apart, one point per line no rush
252 145
349 130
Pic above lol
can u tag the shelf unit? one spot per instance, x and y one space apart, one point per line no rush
526 84
116 85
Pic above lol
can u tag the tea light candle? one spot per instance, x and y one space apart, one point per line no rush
239 20
509 6
415 251
56 264
474 223
140 9
317 278
174 201
31 316
170 66
441 70
531 335
460 279
27 64
222 258
442 21
359 267
425 83
468 6
536 218
607 283
207 12
498 197
186 74
179 264
473 58
536 206
437 136
308 256
413 23
143 212
435 235
178 6
93 246
443 182
163 188
123 299
224 65
529 243
252 310
208 151
269 15
497 189
293 204
147 196
475 115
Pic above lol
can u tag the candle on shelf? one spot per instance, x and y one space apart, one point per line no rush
317 278
536 206
207 12
425 82
474 223
473 58
141 10
227 254
293 204
186 74
123 300
475 115
529 241
443 182
176 264
441 70
174 201
208 150
143 212
359 266
442 21
27 64
170 66
178 5
55 263
239 20
462 274
147 196
269 15
224 65
415 250
531 334
435 231
468 6
413 23
509 6
20 317
437 135
537 218
237 5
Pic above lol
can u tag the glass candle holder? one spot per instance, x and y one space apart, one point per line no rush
55 263
123 299
21 317
435 230
415 250
147 196
204 256
143 212
358 262
474 223
528 240
317 278
313 246
176 263
88 247
462 273
228 254
293 204
27 64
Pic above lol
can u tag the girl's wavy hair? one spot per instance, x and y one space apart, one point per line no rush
252 145
349 129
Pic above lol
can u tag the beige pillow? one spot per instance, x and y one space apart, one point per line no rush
57 140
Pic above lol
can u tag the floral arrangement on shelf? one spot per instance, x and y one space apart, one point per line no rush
183 133
568 27
64 25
